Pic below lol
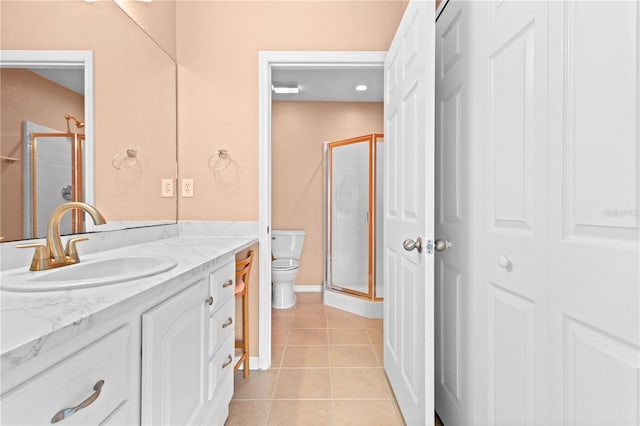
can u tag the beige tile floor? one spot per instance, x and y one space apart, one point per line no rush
326 370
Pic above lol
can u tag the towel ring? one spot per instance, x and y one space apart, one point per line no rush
119 158
222 154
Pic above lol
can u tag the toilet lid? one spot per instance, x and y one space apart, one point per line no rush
284 264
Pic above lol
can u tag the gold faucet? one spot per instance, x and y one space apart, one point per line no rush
52 255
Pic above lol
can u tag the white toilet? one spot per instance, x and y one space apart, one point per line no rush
286 248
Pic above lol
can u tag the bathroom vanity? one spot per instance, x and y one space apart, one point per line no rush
155 350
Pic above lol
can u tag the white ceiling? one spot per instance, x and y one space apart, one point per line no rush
71 78
331 84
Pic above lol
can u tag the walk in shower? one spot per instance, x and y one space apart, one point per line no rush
53 174
352 225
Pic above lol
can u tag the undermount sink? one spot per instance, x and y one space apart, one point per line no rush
91 273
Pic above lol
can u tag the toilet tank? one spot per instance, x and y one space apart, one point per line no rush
287 244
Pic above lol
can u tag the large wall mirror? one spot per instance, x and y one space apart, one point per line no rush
122 142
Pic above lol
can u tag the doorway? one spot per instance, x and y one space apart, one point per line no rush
268 62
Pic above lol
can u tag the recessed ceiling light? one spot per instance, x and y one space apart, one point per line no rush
288 87
361 87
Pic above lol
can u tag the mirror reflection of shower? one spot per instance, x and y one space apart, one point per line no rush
353 229
53 174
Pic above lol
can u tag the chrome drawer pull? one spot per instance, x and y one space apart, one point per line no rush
227 323
227 284
68 412
228 362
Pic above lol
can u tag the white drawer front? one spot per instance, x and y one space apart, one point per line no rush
222 285
221 366
221 326
72 381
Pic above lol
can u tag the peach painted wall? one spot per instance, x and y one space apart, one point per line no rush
299 130
26 96
158 19
135 95
217 47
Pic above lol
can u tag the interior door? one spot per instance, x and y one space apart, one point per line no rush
408 213
452 215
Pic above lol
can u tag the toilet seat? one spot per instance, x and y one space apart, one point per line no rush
284 264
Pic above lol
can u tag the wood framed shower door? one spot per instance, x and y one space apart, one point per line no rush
351 198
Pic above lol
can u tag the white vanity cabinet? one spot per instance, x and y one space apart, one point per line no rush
152 352
90 386
187 352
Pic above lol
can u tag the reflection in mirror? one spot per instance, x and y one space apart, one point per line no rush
157 19
45 97
135 111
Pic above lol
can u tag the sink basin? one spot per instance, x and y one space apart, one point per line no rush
91 273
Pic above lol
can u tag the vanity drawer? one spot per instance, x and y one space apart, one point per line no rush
222 285
72 381
221 366
221 326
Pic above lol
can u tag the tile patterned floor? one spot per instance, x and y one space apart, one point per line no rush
326 370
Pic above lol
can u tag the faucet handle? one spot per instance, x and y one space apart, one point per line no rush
71 251
40 257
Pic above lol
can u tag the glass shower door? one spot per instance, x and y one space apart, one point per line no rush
350 216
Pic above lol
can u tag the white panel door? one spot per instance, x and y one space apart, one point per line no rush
408 213
452 273
511 77
174 364
594 282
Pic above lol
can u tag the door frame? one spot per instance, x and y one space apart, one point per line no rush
269 60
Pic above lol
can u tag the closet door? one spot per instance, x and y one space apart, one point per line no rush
452 267
593 222
511 88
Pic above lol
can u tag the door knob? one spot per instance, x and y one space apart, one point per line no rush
442 245
409 244
505 263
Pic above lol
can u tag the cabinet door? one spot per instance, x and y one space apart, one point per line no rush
174 365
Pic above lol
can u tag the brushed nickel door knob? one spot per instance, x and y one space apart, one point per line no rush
409 244
442 245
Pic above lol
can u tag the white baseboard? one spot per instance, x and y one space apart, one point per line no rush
307 288
254 363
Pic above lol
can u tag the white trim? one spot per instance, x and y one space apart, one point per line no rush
298 288
353 304
254 363
66 59
283 60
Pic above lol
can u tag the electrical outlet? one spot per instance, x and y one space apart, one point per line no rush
187 188
167 188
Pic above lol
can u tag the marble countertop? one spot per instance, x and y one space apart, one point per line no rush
34 322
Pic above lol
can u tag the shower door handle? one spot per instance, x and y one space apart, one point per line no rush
409 244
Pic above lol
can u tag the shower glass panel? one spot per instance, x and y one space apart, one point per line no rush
53 176
351 196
